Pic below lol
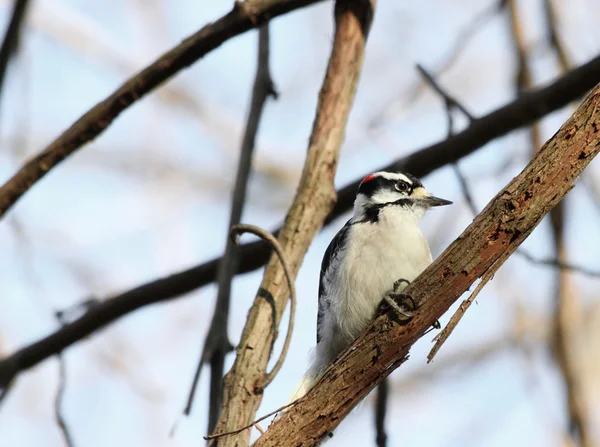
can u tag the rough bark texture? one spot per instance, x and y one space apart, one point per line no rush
243 17
496 232
313 202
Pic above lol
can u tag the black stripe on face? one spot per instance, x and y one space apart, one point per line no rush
371 184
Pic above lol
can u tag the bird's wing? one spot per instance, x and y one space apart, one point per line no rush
332 251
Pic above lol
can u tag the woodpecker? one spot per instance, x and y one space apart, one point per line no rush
379 250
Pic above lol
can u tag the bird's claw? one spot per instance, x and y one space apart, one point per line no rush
402 303
398 283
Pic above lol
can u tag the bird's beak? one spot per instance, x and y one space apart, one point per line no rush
427 199
436 201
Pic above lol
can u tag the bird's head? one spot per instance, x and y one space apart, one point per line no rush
383 189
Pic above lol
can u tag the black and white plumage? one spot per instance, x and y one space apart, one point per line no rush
380 244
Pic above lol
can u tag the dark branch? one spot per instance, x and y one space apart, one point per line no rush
520 112
449 101
10 44
60 419
462 40
243 17
383 391
217 343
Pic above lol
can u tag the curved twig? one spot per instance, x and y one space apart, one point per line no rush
265 235
252 424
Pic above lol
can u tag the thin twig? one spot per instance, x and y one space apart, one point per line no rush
441 337
451 103
217 344
252 424
514 115
464 187
10 44
558 264
60 420
265 235
555 42
447 61
243 17
60 392
383 391
449 100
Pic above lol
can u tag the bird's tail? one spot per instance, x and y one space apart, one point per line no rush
307 382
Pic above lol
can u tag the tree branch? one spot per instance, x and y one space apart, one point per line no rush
244 383
10 44
493 236
243 17
217 343
381 404
568 307
58 415
516 114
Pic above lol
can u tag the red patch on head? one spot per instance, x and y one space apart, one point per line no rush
368 178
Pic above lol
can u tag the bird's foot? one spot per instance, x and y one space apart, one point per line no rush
403 304
398 283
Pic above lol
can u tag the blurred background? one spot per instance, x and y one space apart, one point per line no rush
151 196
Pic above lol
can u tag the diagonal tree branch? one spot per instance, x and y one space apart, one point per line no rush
518 113
245 382
492 237
243 17
217 343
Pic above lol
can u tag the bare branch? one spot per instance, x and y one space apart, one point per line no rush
464 37
60 420
12 36
217 343
516 114
383 391
441 338
553 37
493 236
449 101
313 202
243 17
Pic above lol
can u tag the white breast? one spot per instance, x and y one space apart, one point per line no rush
378 255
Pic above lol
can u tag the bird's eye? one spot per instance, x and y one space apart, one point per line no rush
402 186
